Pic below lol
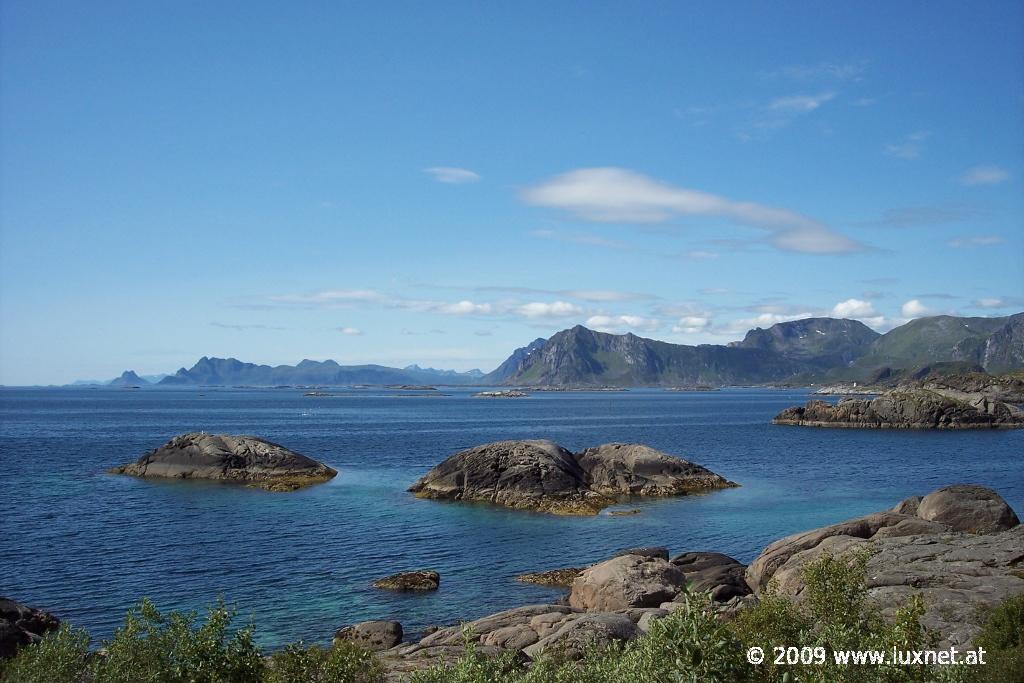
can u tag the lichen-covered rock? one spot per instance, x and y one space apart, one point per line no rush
543 476
422 580
371 635
221 457
576 636
906 408
959 547
646 551
21 626
626 581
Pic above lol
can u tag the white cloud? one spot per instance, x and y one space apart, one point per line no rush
990 303
801 104
555 309
840 71
692 324
465 307
452 175
620 195
742 325
351 331
583 238
620 323
332 297
914 309
910 148
984 175
979 241
854 308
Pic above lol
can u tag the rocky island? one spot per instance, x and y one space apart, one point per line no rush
543 476
908 408
221 457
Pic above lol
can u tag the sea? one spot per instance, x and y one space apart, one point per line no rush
87 545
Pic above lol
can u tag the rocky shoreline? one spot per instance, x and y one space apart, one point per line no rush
961 548
544 477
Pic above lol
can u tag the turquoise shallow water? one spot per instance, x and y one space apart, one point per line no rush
87 545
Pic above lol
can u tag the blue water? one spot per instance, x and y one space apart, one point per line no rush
87 545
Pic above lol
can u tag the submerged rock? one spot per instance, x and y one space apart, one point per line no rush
561 578
21 626
907 408
543 476
959 547
244 459
424 580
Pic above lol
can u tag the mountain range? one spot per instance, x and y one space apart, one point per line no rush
810 350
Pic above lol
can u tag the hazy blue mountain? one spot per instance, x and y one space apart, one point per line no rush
232 372
128 378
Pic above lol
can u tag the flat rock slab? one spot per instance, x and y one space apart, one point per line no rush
543 476
221 457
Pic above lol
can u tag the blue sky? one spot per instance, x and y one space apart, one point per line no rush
440 183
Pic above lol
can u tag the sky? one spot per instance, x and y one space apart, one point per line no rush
439 183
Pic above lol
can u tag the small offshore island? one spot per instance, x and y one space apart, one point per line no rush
544 477
221 457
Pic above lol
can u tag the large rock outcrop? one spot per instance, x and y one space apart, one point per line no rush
907 408
244 459
626 581
543 476
21 626
961 547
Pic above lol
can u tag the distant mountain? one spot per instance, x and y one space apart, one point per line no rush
232 372
432 375
128 378
995 344
823 342
515 363
583 357
800 351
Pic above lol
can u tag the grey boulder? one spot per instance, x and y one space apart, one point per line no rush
626 581
371 635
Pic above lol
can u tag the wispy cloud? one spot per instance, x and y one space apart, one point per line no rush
998 302
464 307
800 104
621 195
243 327
976 241
692 324
452 175
585 239
351 331
826 70
921 216
910 147
984 175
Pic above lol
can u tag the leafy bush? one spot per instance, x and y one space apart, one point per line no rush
343 663
1002 636
170 649
60 657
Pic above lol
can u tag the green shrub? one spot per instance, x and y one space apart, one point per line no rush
1002 636
173 648
343 663
60 657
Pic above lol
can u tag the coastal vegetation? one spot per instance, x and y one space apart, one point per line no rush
693 643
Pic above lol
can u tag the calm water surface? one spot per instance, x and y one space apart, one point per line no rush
87 545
